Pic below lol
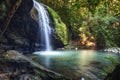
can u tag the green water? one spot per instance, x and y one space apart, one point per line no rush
74 63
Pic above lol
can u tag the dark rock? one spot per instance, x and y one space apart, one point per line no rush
115 75
22 30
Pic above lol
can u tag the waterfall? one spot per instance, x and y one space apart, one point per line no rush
44 25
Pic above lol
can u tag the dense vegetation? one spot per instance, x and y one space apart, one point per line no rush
93 23
90 22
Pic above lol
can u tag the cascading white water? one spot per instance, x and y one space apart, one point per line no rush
44 25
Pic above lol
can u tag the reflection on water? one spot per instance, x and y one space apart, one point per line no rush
47 56
47 53
47 61
86 55
74 63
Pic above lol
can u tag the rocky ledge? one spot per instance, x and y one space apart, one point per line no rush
114 50
15 66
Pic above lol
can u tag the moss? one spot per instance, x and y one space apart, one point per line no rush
59 26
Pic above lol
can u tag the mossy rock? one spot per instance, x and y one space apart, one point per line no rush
60 27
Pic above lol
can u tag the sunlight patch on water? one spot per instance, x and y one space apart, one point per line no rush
86 56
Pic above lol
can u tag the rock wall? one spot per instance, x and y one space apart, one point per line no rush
59 29
23 29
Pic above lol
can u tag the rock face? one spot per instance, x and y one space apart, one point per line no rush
24 68
22 32
59 31
22 29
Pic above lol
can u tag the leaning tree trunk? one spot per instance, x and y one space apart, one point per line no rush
9 16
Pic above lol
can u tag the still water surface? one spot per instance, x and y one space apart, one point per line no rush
75 63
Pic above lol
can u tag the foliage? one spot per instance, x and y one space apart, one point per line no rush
2 11
110 68
101 27
98 18
60 27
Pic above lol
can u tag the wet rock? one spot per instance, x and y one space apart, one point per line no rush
6 47
114 50
16 66
59 36
3 77
3 40
27 77
12 54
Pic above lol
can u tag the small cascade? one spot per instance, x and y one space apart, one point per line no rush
44 24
